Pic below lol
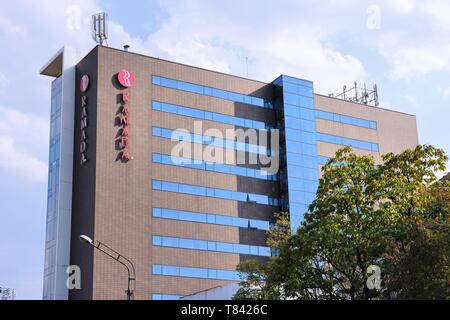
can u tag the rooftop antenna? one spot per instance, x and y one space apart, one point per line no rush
99 28
357 94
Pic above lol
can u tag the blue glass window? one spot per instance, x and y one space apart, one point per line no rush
168 83
157 212
330 116
208 140
307 114
206 115
157 185
156 269
194 244
169 242
192 272
300 134
227 275
156 80
159 296
170 271
225 220
212 192
212 274
225 247
214 92
212 246
309 126
210 218
157 241
365 145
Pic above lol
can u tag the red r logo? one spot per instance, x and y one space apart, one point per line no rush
126 78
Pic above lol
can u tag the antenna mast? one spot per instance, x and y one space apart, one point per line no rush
359 95
99 28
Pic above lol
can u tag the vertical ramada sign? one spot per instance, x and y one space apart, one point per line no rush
84 86
126 80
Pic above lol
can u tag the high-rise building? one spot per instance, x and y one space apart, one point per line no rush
142 158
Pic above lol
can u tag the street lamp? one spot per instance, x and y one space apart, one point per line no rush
118 257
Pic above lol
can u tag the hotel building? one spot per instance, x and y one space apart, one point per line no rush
185 225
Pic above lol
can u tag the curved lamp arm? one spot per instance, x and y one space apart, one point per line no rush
118 257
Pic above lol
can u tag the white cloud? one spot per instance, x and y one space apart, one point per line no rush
418 49
411 101
7 27
408 59
439 11
444 92
30 32
3 81
219 37
212 35
305 54
21 163
20 133
23 126
401 6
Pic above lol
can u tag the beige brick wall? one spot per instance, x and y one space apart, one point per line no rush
395 132
124 196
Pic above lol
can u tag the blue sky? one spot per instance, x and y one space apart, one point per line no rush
401 45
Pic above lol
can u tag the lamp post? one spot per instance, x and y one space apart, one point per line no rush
118 257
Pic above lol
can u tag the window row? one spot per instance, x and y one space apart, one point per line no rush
207 115
209 91
192 272
178 135
216 246
210 219
346 119
210 166
214 193
162 296
365 145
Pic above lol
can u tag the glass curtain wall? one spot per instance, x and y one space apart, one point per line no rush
53 189
297 123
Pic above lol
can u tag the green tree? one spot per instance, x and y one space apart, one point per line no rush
418 264
394 216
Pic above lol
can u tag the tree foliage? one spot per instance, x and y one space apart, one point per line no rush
394 215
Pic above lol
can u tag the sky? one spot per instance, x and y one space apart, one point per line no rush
403 46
